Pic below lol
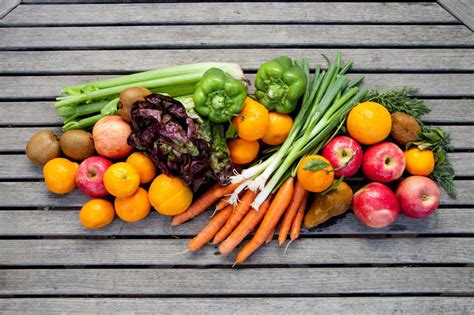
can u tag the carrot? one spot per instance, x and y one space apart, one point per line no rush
270 236
204 202
273 215
296 225
211 229
251 220
290 213
239 212
222 203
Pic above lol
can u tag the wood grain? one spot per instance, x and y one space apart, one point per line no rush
88 61
236 282
202 36
19 223
293 305
198 13
6 6
462 9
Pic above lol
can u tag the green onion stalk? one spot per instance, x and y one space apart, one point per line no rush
84 104
326 102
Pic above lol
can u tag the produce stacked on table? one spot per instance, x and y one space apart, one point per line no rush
272 161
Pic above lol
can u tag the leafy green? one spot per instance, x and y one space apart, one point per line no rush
333 186
315 165
399 101
444 174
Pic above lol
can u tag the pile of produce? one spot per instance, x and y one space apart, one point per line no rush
189 138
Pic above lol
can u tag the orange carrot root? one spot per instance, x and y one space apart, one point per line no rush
204 202
273 215
251 220
290 213
211 229
270 236
222 203
237 215
296 225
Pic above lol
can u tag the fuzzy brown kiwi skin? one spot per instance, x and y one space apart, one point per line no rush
77 144
128 97
42 147
404 128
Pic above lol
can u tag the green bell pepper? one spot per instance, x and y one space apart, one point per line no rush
218 96
279 84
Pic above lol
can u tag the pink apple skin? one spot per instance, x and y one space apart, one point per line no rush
340 150
90 176
418 196
375 205
383 162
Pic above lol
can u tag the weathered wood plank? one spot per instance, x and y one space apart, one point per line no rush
228 281
35 194
287 305
200 36
40 113
66 223
462 9
6 6
15 139
169 252
427 84
88 61
17 166
198 13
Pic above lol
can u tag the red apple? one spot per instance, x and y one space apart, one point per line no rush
90 176
383 162
418 196
343 150
376 205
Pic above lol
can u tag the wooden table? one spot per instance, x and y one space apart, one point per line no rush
50 264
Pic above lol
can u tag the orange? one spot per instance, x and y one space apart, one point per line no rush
369 123
319 179
60 175
243 151
144 165
121 179
419 162
280 126
96 213
253 121
169 195
133 208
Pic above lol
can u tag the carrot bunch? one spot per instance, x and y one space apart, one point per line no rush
232 224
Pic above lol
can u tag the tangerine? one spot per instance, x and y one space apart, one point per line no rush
96 213
144 165
253 121
243 151
60 175
169 195
315 173
280 126
133 208
121 179
369 123
419 162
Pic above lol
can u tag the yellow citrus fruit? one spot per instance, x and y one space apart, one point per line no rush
253 121
243 151
169 195
133 208
121 179
280 126
96 213
144 165
60 175
319 179
369 123
419 162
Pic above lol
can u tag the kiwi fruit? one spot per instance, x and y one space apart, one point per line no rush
77 144
128 97
42 147
405 128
